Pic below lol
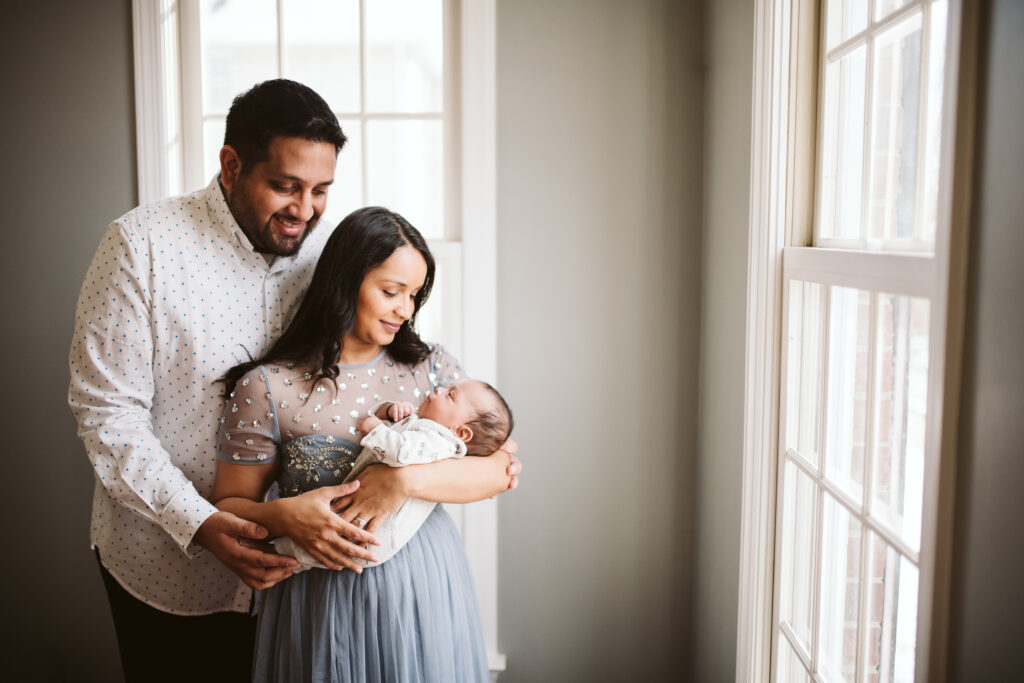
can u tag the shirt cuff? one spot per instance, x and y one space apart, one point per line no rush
182 517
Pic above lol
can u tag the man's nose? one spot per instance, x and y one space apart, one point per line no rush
302 207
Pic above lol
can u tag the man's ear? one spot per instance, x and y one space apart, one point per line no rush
230 167
464 433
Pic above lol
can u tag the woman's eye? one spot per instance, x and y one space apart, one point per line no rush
389 294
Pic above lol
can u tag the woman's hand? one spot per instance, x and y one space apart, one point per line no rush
381 492
310 521
510 448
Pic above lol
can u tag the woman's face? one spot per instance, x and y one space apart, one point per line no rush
386 300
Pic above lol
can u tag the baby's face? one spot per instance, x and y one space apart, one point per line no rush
456 405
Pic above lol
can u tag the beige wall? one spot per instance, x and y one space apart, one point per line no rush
599 219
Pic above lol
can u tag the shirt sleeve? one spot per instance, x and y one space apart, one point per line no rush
111 391
420 442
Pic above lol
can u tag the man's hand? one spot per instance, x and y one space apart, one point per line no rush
333 541
236 543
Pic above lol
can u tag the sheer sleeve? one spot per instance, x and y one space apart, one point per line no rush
445 368
249 429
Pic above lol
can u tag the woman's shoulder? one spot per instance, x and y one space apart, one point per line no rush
444 367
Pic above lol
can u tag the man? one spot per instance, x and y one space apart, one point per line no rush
178 292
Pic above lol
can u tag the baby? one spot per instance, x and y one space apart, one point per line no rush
469 418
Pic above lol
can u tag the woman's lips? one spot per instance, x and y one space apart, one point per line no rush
391 327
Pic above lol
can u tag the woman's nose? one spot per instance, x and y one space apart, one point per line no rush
405 308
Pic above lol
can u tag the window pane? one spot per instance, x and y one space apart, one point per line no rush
790 669
846 18
404 55
892 614
895 108
933 125
346 195
803 381
406 171
840 589
321 48
901 407
239 41
213 140
842 169
797 550
884 8
848 352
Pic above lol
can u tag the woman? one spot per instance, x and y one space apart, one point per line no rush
290 417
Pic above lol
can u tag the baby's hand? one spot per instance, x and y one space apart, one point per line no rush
367 424
400 411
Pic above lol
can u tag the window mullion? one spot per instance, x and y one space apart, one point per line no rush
922 122
364 161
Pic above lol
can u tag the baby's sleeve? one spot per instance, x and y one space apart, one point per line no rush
414 442
248 426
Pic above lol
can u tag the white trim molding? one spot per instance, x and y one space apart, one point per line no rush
779 216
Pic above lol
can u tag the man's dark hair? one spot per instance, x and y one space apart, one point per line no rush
278 108
491 427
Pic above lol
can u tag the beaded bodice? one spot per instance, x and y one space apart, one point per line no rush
278 415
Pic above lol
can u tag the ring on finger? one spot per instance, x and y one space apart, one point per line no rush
360 522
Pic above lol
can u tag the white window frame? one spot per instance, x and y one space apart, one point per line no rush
470 261
781 208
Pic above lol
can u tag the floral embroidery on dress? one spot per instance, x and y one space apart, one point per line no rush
313 461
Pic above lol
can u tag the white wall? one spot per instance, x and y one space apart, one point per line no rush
599 182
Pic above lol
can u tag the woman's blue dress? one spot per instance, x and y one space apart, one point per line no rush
412 619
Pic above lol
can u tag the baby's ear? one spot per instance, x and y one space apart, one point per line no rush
463 432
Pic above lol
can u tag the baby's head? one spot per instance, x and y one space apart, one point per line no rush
474 411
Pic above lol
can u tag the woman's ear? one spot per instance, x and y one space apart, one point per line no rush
464 433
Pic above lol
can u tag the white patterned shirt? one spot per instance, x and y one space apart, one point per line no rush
174 297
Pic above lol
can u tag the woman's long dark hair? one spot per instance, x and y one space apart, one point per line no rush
362 241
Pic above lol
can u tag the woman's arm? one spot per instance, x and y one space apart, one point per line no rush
307 518
472 478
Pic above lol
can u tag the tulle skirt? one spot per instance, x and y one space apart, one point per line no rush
413 619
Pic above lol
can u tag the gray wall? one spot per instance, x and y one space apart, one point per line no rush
68 169
599 214
988 602
729 39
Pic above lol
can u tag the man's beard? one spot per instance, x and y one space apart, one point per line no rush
263 238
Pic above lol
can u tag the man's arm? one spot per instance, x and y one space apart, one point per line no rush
111 395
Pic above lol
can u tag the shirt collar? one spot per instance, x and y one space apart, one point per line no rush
225 222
